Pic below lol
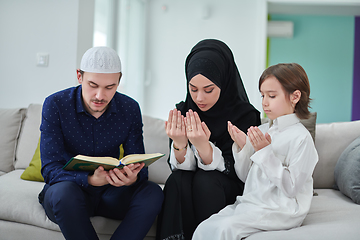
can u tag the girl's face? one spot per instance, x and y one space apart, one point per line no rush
203 92
275 101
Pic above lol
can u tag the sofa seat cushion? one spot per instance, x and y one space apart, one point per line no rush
332 216
19 203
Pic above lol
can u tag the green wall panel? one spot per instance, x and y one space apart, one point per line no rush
324 46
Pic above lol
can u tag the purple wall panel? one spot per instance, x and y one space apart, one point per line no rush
356 75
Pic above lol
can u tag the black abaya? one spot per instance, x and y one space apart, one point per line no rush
193 196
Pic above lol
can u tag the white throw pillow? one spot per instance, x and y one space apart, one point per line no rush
156 140
10 125
29 136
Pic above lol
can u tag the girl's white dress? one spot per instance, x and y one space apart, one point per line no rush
278 184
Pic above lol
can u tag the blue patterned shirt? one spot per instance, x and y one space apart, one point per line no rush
67 130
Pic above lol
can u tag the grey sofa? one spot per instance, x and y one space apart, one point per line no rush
332 214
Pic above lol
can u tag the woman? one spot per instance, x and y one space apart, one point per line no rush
203 180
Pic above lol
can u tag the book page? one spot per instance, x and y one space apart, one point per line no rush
105 160
133 158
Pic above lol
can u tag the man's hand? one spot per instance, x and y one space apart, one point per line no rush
125 176
98 178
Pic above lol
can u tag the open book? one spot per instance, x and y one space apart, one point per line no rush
86 163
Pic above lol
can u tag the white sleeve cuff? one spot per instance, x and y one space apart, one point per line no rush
217 163
189 163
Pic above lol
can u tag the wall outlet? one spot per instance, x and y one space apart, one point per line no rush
42 59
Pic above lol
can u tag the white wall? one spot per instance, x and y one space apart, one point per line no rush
174 27
63 29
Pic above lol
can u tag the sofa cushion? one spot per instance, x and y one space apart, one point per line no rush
156 140
29 136
19 203
10 125
331 216
347 171
310 124
33 171
330 141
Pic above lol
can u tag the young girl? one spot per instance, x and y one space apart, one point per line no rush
276 159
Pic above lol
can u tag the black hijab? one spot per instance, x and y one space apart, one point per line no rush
214 60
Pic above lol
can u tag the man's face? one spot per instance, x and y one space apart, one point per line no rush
97 90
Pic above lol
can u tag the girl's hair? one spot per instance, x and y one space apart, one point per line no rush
292 77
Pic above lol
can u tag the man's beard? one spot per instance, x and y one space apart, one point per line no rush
98 101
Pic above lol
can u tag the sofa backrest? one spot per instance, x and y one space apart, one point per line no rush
330 141
20 134
155 140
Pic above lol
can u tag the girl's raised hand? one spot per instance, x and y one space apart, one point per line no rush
257 139
238 136
175 128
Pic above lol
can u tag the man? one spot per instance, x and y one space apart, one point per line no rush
94 119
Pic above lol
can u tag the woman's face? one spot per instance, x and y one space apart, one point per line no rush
203 92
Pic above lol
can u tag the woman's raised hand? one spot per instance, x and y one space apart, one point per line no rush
237 135
175 128
197 132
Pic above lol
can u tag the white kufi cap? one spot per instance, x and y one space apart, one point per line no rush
100 60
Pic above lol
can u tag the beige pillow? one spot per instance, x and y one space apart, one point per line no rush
29 136
156 141
10 125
